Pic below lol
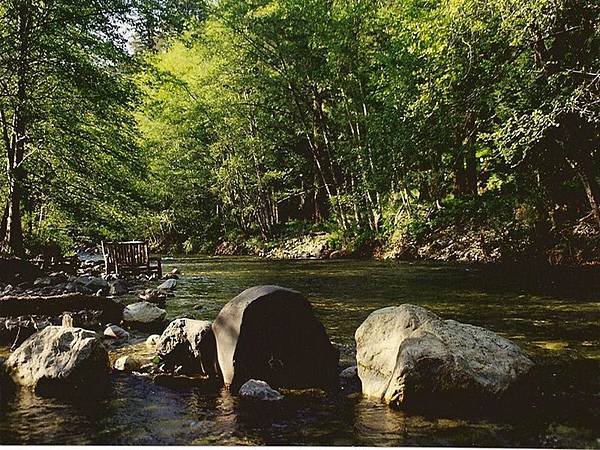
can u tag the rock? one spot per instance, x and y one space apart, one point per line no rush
349 372
349 380
93 283
118 287
127 364
45 281
154 296
271 333
57 358
67 320
8 288
116 332
189 344
152 340
143 312
409 356
336 254
259 390
168 285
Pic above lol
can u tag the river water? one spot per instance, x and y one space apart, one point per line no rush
559 328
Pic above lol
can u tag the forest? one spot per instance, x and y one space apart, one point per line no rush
391 128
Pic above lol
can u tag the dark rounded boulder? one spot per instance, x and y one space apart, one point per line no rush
271 333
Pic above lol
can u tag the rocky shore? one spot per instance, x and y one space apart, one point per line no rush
265 343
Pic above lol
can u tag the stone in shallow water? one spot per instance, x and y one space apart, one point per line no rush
168 285
259 390
127 364
116 332
59 357
407 355
271 333
189 344
143 312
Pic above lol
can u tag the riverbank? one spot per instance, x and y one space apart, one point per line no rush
577 247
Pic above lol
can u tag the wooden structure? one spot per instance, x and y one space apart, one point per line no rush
130 257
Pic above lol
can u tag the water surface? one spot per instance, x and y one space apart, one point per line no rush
558 328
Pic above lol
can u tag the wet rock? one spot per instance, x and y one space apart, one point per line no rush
127 364
349 372
59 358
118 287
93 283
168 285
349 380
408 356
143 312
152 340
259 390
7 289
116 332
154 296
271 333
190 345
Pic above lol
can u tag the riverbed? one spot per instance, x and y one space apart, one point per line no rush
558 328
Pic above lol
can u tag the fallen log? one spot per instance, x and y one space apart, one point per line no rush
51 305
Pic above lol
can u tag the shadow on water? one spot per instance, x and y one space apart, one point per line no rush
554 317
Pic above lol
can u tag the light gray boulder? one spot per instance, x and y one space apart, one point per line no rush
143 312
58 358
190 345
259 390
168 285
407 355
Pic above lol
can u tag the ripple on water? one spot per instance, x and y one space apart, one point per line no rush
560 332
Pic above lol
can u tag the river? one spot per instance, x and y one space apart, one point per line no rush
558 328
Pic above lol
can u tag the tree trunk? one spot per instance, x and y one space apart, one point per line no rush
584 170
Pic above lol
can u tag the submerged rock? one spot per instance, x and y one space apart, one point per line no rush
271 333
59 358
259 390
190 345
408 356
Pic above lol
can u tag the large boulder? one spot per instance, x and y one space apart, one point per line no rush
408 356
57 358
189 344
271 333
